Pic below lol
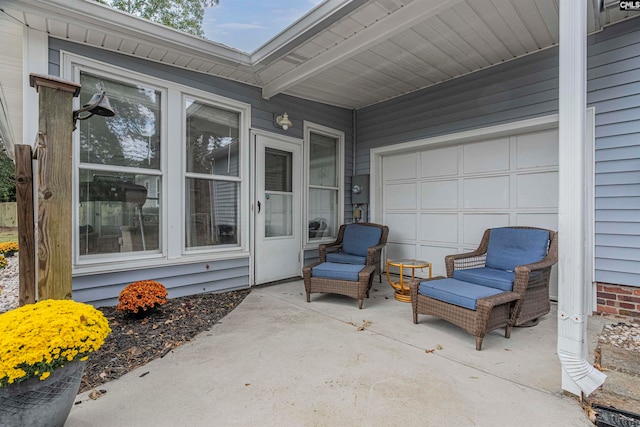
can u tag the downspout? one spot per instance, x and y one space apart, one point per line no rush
579 377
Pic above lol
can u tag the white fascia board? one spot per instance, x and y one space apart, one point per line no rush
301 27
403 18
98 16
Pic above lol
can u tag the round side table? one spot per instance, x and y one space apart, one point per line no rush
401 290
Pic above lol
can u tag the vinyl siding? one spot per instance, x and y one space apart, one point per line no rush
189 278
527 88
613 88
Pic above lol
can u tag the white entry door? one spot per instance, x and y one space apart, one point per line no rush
277 208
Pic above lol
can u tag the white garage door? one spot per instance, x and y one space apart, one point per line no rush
438 201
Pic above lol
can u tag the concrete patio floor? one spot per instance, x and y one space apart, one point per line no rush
278 361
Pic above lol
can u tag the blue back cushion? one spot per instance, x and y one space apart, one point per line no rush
357 238
510 247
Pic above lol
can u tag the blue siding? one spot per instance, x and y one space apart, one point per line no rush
187 279
103 289
528 87
614 90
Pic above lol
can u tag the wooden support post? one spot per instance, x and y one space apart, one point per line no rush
55 185
26 235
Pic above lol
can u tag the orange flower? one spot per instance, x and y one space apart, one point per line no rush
142 295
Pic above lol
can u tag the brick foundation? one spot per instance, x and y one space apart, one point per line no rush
618 299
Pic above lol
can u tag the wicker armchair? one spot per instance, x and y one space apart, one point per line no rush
532 282
335 251
518 296
347 266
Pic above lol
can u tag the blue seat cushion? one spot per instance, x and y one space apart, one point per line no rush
357 239
499 279
332 270
457 292
510 247
344 258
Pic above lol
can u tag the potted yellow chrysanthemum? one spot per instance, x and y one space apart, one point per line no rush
8 249
45 345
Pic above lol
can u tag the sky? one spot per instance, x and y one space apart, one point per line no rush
248 24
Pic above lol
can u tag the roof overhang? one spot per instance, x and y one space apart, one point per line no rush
347 53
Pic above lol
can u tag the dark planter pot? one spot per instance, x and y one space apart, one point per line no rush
45 403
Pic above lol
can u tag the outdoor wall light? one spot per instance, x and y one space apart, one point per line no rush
98 105
283 121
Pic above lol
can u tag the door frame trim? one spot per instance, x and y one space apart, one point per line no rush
252 191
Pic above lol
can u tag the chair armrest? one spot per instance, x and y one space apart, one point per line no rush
533 275
463 261
374 253
324 248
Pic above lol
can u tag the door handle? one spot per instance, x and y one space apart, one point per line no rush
259 205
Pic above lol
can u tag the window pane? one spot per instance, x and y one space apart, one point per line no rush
118 212
212 213
323 156
132 136
323 211
277 171
212 139
278 212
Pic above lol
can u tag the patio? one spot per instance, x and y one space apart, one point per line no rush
276 360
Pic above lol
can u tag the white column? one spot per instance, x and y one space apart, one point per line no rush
35 59
578 375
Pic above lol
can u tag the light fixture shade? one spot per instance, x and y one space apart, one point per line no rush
99 105
283 121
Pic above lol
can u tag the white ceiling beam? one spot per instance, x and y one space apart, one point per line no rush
403 18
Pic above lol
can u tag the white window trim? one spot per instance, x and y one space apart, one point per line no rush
171 165
332 133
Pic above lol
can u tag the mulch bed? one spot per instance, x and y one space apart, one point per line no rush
135 342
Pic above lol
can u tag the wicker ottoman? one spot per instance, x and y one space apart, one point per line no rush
492 312
345 279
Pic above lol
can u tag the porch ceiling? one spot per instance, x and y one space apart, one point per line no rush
345 53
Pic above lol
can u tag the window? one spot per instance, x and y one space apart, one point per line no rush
119 171
325 171
164 179
212 175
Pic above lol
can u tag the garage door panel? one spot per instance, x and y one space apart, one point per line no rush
400 166
401 226
539 149
435 255
542 220
400 196
399 250
474 225
439 162
486 156
537 190
439 194
486 193
439 228
439 201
